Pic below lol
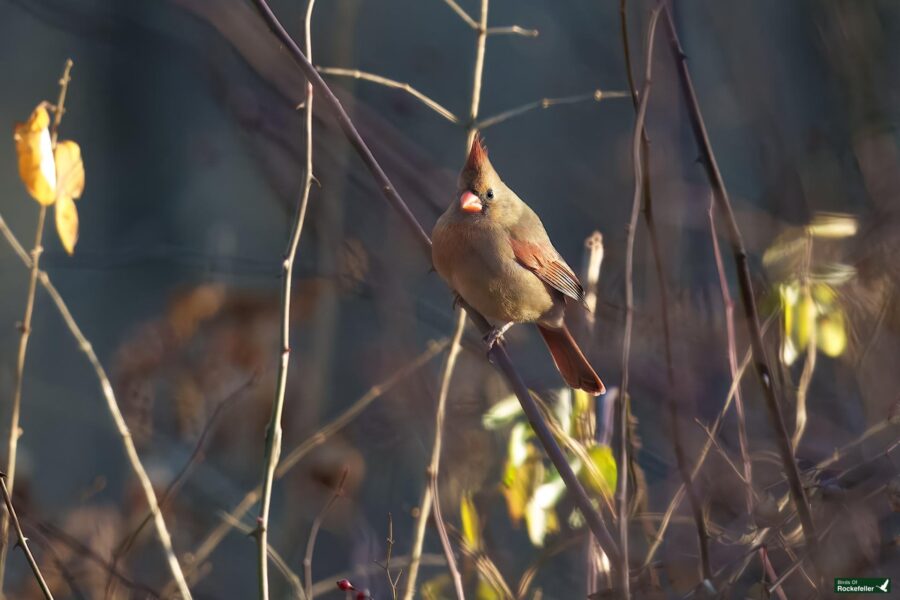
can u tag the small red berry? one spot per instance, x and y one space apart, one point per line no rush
345 585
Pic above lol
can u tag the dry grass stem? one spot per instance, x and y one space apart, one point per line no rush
23 541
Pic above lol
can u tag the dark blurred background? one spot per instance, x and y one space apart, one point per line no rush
185 112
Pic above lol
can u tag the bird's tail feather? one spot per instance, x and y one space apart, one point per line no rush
570 361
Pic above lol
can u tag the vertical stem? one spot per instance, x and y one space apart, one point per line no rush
430 491
622 493
15 432
273 431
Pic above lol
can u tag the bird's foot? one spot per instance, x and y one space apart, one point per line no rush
495 336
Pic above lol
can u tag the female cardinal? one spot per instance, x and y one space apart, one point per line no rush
492 249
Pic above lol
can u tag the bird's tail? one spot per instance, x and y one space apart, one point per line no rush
570 361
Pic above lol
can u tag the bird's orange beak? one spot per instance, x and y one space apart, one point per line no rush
469 202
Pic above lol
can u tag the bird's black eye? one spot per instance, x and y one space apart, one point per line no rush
490 194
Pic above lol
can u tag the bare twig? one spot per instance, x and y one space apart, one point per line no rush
622 492
498 354
386 565
512 30
743 444
273 431
327 584
15 431
428 493
23 541
391 83
214 538
748 297
112 405
593 251
314 532
543 103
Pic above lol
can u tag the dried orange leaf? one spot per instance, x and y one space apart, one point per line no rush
69 169
67 222
36 165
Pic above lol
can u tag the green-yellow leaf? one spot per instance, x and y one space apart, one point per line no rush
806 319
602 475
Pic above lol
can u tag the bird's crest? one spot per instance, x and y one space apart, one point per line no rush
478 157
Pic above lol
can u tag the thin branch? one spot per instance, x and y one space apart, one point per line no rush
498 354
15 431
544 103
112 405
273 431
314 532
622 493
462 13
431 473
513 30
215 537
761 362
23 541
391 83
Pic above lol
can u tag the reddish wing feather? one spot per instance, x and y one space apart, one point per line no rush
549 268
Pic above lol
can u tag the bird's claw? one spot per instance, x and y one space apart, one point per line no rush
495 336
492 337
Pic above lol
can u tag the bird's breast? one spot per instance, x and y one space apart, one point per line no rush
478 263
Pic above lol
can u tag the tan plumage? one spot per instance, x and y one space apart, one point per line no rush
492 249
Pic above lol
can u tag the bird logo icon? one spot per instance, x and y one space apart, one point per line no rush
884 586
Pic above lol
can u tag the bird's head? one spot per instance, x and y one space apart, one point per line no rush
480 191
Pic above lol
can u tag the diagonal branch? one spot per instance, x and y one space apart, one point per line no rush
512 30
391 83
498 354
748 297
23 541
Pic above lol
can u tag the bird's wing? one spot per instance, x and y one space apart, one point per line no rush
549 267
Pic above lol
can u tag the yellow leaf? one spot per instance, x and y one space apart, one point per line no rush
470 525
35 153
69 169
67 222
832 335
601 475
